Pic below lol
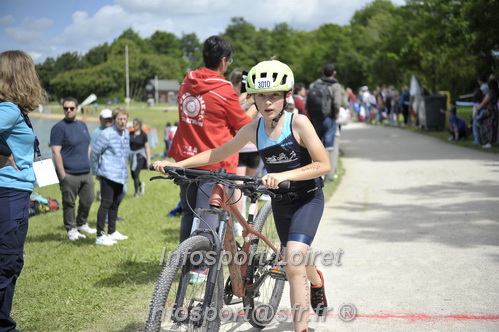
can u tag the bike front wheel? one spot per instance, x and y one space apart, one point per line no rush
262 306
181 291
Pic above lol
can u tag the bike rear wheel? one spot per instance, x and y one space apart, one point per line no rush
262 306
181 288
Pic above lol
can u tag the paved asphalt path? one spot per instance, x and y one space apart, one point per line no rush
417 220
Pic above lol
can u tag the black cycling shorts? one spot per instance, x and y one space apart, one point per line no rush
249 159
299 220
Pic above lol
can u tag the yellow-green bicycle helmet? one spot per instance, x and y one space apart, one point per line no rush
270 76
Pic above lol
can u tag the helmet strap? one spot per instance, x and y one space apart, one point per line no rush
274 122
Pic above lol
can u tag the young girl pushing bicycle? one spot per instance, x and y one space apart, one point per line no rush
291 151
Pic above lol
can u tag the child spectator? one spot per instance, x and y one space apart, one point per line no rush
457 126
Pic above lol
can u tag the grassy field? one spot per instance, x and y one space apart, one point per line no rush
78 286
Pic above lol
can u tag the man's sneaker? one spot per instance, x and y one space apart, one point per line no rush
117 236
104 240
318 297
199 275
86 229
142 188
74 235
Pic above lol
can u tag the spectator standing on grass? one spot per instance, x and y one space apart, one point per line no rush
299 96
326 126
20 94
140 155
70 141
209 115
404 102
380 104
482 83
167 138
106 120
477 99
109 163
489 119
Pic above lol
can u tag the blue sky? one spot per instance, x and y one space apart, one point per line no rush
48 28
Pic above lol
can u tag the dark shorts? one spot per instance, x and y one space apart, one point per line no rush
299 220
249 159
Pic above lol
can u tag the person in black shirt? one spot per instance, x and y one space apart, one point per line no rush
140 155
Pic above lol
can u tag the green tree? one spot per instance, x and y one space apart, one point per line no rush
192 49
45 72
165 43
96 55
439 41
67 61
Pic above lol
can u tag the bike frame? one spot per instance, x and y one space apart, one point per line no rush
220 199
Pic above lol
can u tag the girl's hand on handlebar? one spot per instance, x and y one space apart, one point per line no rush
272 180
159 166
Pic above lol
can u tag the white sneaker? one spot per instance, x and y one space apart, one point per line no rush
487 146
142 188
105 240
86 229
74 235
117 236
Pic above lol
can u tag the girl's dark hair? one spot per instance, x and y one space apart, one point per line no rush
214 50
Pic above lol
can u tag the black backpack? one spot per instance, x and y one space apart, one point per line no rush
319 101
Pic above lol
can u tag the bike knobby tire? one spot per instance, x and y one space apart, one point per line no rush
180 282
261 308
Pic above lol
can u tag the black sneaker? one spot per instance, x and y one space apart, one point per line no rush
318 297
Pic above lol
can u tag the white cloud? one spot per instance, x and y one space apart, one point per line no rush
176 7
29 30
7 19
202 17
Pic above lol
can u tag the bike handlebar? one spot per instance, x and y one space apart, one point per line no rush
185 173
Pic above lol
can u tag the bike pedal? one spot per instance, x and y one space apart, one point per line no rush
278 274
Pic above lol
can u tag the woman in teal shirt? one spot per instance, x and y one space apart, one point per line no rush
20 93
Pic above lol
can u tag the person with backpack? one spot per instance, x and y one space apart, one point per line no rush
323 106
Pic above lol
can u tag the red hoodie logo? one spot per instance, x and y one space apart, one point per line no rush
193 106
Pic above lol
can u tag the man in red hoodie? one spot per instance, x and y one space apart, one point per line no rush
209 116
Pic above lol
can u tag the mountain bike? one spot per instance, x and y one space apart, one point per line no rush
190 291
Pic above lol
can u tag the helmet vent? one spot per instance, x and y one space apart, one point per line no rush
263 75
284 79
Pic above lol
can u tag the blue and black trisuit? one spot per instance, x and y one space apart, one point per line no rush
297 210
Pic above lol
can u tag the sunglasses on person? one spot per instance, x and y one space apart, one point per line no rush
69 108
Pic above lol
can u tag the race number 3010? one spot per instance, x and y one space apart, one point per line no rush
264 83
